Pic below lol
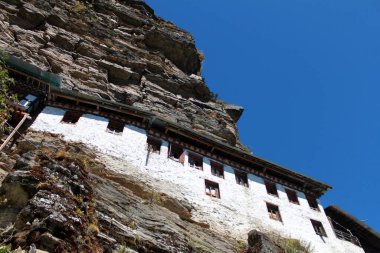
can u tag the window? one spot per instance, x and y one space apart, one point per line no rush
241 178
212 189
292 196
115 126
312 203
176 153
71 117
29 102
217 169
153 145
196 161
318 228
274 212
271 188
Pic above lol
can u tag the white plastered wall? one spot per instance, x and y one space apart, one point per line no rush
239 210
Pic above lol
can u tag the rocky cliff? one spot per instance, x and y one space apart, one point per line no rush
121 51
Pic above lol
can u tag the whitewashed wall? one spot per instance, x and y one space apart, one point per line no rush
239 210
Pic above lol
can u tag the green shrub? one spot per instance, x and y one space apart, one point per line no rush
121 249
92 230
5 83
5 249
78 7
241 246
291 245
155 198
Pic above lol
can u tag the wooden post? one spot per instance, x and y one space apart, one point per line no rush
14 131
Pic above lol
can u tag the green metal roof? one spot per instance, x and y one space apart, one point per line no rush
20 65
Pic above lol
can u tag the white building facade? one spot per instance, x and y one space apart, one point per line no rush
228 199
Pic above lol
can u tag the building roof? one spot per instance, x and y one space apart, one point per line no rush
20 65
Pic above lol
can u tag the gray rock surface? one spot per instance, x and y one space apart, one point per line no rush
261 243
234 111
118 50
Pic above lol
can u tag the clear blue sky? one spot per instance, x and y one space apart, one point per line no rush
307 73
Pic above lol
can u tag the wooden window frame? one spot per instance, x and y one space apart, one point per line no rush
271 188
318 228
292 196
274 212
179 151
241 178
193 159
115 126
153 145
313 203
71 117
212 189
217 169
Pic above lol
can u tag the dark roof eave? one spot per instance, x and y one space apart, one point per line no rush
317 187
322 187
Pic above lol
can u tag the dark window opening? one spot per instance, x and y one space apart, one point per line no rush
217 169
195 161
65 101
88 106
115 126
29 103
153 144
71 117
241 178
212 189
292 196
271 188
312 203
177 153
274 212
318 228
106 111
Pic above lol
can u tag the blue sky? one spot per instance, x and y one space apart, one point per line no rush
307 73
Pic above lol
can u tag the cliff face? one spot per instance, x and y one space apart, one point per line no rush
121 51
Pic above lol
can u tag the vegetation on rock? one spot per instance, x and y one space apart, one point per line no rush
5 83
290 245
78 7
5 249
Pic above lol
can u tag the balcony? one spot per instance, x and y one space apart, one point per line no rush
347 237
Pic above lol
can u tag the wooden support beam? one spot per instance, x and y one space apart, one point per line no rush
26 116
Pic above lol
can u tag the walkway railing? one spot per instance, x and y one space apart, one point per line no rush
347 237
